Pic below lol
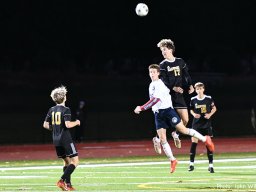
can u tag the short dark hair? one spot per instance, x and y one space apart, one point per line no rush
154 66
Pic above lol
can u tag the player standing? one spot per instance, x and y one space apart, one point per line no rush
202 109
58 120
165 116
173 72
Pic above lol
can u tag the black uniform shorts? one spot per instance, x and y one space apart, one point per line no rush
178 101
67 150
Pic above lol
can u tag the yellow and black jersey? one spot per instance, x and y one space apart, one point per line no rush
56 117
173 73
201 106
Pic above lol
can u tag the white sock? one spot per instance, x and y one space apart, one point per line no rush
197 135
157 140
210 165
168 151
175 135
191 163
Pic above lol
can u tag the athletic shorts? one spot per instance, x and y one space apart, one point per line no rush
205 131
178 101
166 118
67 150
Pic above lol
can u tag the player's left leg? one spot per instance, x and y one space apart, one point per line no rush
167 149
157 145
183 113
60 151
66 162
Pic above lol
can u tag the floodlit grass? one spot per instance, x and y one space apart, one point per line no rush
134 174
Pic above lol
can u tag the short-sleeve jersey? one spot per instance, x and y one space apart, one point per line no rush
174 72
56 117
201 106
158 89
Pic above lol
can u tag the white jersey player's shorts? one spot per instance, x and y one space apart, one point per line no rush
166 118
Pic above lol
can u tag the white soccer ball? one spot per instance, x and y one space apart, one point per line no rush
141 9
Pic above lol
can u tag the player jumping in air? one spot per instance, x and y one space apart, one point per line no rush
202 109
58 120
165 116
173 73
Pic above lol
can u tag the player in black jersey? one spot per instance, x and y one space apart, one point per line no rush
58 120
202 109
173 73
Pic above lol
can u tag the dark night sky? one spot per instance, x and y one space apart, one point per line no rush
78 29
101 50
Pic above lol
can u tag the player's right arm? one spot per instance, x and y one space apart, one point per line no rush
195 115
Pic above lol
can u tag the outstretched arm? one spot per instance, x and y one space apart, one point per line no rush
147 105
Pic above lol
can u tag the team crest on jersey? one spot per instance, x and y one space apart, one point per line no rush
174 119
175 69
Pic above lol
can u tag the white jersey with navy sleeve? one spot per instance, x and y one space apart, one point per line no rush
158 89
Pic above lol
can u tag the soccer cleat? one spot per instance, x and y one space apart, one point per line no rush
211 170
191 168
70 187
209 144
157 145
61 184
177 141
173 165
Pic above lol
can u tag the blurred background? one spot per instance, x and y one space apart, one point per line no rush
101 51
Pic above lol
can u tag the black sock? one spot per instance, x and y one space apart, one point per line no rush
67 174
193 151
210 156
68 178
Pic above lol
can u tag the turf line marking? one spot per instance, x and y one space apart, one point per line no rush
123 164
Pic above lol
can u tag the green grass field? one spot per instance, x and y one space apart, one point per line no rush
233 172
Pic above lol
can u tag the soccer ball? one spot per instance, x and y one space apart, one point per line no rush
141 9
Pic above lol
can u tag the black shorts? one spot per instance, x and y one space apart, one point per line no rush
205 131
68 150
178 101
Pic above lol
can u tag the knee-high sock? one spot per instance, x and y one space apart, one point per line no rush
193 152
210 156
168 151
68 178
67 173
197 135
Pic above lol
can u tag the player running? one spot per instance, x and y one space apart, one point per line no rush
58 120
165 116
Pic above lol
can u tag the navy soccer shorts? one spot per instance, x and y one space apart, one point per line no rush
166 118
